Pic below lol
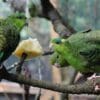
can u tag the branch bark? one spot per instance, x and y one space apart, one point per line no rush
49 12
85 88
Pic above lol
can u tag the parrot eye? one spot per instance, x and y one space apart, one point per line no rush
58 41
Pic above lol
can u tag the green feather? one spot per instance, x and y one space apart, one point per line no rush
56 58
1 54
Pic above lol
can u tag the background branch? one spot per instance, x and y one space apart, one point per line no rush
49 12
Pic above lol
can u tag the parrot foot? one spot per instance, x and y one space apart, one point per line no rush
93 78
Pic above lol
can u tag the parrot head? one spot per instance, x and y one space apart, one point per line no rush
57 46
55 42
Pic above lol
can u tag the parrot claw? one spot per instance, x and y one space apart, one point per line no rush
97 87
93 78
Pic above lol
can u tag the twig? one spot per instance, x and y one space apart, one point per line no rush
27 74
37 97
49 52
85 88
19 66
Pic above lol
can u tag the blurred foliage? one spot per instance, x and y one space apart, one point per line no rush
4 10
81 14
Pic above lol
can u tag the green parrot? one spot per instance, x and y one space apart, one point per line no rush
80 50
10 34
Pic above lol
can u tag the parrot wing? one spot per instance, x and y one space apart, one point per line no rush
93 37
92 55
92 51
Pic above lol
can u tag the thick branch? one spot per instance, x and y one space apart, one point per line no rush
47 52
49 12
86 88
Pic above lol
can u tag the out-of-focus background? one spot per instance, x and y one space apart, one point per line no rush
80 14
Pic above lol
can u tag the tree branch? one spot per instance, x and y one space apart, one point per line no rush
49 12
86 88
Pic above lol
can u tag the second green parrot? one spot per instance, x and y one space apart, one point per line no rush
10 34
80 50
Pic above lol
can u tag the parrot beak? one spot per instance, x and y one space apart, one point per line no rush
63 40
51 47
